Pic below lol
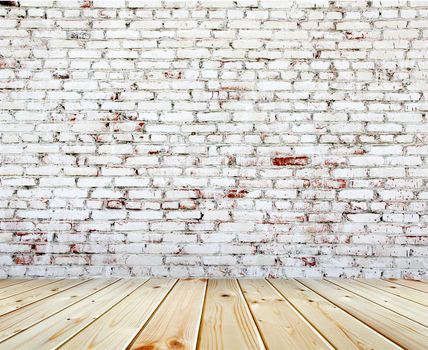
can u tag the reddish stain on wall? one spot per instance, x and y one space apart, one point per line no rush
74 248
355 36
290 161
86 4
359 151
331 184
236 193
309 261
7 63
173 75
23 260
188 205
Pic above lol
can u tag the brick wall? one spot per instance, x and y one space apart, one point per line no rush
217 138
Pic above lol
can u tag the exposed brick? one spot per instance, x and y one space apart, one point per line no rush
213 138
86 4
309 261
7 63
355 36
9 3
290 161
236 193
61 75
173 75
23 259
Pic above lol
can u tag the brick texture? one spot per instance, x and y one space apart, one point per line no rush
213 138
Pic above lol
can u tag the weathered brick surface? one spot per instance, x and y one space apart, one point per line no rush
218 138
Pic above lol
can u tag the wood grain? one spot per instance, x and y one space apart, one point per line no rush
399 290
56 329
190 314
11 282
175 325
118 327
25 298
419 285
404 307
280 325
16 289
341 329
227 322
400 330
20 320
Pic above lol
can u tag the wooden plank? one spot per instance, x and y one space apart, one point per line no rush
404 307
280 325
19 320
119 326
10 282
52 331
26 298
400 330
227 322
24 287
342 330
175 324
419 285
399 290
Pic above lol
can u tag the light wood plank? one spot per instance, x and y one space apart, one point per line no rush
24 287
31 296
52 331
419 285
175 324
280 325
118 327
400 330
21 319
404 307
149 317
10 282
227 322
342 330
399 290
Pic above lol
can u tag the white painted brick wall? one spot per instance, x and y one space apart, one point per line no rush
216 138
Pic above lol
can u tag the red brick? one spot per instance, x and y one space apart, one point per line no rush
236 193
23 260
290 161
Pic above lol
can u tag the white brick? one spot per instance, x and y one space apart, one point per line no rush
356 194
213 138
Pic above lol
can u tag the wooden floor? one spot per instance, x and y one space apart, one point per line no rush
214 314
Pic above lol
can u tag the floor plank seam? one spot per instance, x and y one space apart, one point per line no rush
387 291
141 328
54 313
99 316
316 331
350 315
196 314
397 282
41 299
246 304
254 318
27 290
371 301
374 329
198 339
